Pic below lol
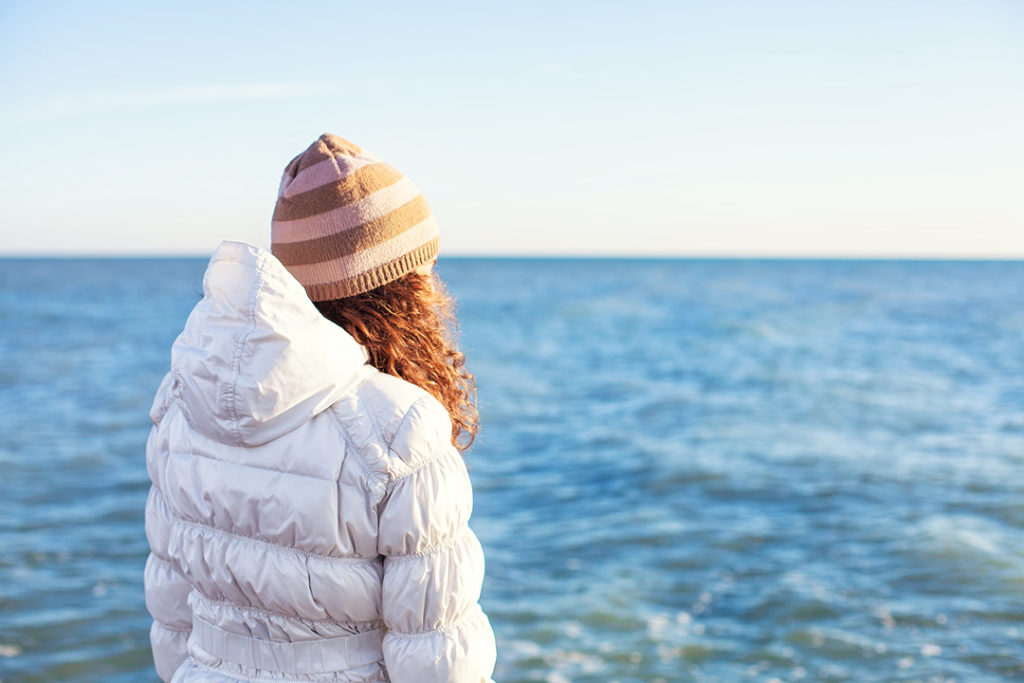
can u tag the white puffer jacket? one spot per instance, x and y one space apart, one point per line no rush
308 514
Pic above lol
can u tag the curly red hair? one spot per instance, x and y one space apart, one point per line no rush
410 330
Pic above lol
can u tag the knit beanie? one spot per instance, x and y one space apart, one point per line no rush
346 222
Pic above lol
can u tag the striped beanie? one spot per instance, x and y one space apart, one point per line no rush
346 222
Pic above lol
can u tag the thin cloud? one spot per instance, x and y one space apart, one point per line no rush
97 101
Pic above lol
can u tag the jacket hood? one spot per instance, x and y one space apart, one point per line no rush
256 358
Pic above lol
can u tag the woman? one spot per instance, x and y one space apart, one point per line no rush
309 508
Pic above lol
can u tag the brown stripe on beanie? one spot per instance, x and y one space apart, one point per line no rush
381 275
356 239
348 228
355 186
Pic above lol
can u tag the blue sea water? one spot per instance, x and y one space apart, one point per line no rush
688 470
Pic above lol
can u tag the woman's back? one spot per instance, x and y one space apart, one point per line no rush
308 516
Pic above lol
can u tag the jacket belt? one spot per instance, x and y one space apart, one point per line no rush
304 657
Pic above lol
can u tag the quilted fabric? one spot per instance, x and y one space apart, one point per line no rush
308 518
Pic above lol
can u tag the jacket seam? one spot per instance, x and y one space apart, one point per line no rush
268 612
167 562
249 466
236 360
432 460
445 544
394 480
171 628
376 477
199 526
447 628
259 677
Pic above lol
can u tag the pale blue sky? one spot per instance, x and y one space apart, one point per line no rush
678 128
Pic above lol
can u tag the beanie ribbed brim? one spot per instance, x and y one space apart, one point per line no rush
372 278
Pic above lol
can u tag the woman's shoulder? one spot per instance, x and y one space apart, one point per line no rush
398 424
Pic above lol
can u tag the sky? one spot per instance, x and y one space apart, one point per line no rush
702 128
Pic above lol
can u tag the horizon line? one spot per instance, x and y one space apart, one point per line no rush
524 256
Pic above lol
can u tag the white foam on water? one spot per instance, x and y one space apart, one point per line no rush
971 537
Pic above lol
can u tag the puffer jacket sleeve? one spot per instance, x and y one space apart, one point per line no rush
166 587
433 562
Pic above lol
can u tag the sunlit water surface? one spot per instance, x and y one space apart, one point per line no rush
688 470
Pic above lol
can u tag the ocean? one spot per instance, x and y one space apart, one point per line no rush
688 470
